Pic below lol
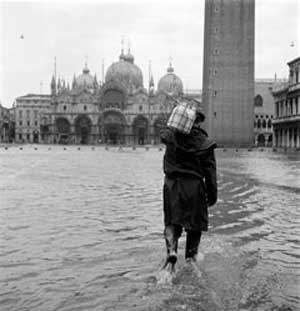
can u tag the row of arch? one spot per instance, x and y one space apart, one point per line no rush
263 123
111 128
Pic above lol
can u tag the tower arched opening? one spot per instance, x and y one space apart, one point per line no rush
140 129
114 127
83 129
63 130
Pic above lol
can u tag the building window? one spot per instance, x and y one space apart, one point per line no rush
20 136
215 72
28 123
28 114
258 124
297 75
215 93
216 9
20 114
296 105
21 123
258 101
35 114
216 30
28 136
141 108
84 107
256 116
264 123
65 108
36 123
269 123
216 51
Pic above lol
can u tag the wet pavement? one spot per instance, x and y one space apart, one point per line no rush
81 229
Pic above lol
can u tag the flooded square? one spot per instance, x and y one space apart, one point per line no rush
81 229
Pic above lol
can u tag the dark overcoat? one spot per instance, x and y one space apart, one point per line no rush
190 178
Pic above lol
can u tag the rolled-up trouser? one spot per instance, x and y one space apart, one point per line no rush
173 232
192 243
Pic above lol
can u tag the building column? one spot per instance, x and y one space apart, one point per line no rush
266 139
298 137
285 135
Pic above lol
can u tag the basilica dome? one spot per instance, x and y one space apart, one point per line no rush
126 72
85 79
170 83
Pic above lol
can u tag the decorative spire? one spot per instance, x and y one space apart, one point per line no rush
102 70
151 81
95 83
122 56
85 70
54 70
74 82
170 68
53 85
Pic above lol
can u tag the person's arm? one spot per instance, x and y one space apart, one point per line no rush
208 165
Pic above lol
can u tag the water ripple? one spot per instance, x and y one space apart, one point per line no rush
91 239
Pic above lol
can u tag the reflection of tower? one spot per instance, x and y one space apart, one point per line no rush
228 71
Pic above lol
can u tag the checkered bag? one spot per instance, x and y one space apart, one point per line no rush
182 117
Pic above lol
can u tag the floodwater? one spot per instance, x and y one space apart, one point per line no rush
82 230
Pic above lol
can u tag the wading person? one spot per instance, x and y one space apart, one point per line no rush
190 186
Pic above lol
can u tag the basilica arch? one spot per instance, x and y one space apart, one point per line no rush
140 127
83 129
261 140
113 95
63 130
114 124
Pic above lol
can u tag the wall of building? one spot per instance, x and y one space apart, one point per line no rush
286 123
29 111
228 71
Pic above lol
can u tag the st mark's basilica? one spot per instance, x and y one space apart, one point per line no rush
118 111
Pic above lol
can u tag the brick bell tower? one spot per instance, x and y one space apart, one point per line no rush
228 71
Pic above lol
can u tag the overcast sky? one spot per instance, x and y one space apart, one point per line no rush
157 29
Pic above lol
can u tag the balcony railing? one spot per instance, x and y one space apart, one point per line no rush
290 118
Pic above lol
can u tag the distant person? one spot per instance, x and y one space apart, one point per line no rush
190 187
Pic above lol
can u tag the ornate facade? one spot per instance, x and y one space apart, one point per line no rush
287 112
119 110
264 111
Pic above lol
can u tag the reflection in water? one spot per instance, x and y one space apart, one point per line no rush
82 230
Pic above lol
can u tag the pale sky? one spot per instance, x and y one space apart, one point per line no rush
156 29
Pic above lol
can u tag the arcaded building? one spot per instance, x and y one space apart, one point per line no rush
264 111
228 71
286 123
119 110
7 124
